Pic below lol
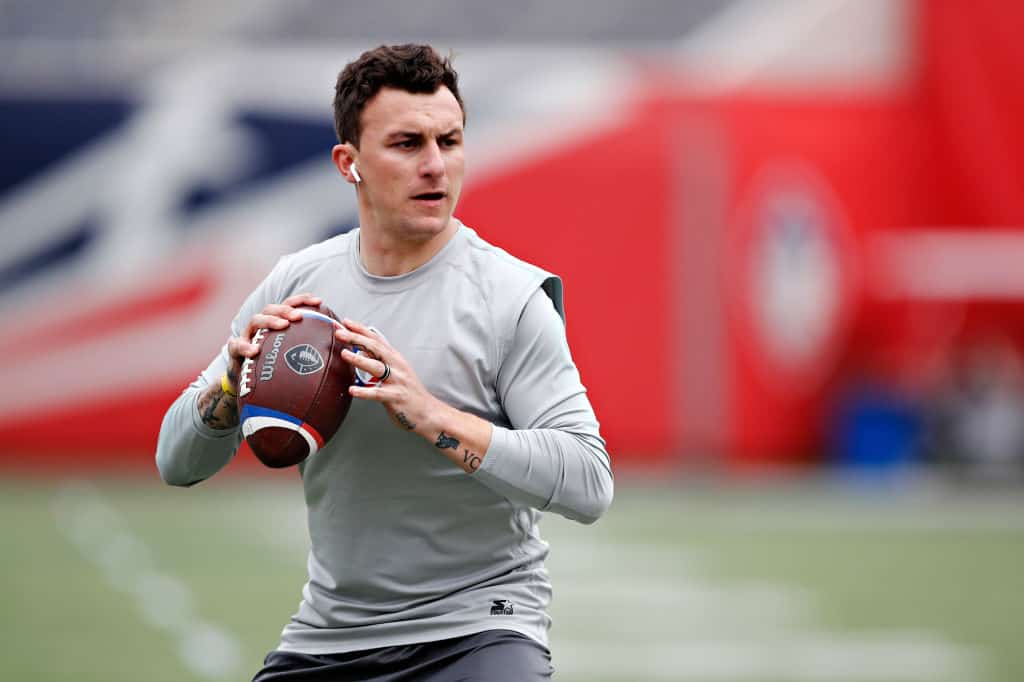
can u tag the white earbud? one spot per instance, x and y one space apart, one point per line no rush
355 172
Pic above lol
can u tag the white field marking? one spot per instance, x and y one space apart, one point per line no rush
868 522
626 619
881 517
163 601
838 508
882 657
681 607
572 558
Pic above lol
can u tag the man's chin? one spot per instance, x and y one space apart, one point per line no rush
424 228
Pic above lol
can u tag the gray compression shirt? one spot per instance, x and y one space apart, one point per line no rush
405 546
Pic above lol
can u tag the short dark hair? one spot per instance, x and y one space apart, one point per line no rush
417 69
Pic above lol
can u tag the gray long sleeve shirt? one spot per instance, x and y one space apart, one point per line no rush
406 547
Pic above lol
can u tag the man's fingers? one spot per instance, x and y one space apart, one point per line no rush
304 298
282 310
365 343
259 321
242 348
273 321
363 361
362 329
370 344
274 316
288 309
355 326
379 393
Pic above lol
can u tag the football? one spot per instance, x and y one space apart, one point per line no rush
294 394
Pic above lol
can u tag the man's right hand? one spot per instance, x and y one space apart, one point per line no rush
219 409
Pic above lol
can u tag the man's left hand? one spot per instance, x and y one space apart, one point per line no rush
408 402
460 436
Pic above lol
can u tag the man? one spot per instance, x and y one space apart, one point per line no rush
426 562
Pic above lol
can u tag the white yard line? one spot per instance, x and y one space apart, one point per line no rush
817 657
162 601
622 618
832 509
679 608
883 519
689 630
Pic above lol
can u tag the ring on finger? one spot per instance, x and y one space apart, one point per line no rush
386 373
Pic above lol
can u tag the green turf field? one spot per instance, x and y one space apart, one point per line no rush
130 580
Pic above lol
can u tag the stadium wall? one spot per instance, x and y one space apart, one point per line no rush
720 247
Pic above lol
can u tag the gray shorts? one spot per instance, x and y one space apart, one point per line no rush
493 655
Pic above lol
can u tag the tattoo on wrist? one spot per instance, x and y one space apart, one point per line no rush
446 442
471 460
207 410
404 421
210 405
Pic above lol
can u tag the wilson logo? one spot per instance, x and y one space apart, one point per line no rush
270 359
304 359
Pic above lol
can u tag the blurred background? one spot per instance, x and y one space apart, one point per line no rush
804 218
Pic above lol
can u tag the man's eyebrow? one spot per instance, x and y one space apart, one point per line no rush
415 134
403 134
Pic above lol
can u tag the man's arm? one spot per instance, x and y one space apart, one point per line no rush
199 434
553 458
218 403
189 450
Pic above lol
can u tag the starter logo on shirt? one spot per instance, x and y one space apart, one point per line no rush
501 607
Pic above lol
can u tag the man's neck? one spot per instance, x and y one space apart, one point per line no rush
384 256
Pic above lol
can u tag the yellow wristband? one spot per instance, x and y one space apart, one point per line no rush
226 385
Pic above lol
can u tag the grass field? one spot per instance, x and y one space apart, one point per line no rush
129 580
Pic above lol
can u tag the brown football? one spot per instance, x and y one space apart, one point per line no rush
294 394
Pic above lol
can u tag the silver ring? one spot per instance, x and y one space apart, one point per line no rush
386 374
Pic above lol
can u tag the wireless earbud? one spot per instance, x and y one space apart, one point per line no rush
355 172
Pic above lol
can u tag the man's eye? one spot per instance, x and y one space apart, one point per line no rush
450 142
407 144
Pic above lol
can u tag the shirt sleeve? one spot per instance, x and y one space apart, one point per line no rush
553 458
188 451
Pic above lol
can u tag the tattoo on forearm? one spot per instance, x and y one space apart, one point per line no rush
218 410
471 460
208 403
404 421
446 442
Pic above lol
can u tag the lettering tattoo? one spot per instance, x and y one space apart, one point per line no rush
471 460
217 409
404 421
446 442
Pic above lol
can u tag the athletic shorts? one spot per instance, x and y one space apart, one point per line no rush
491 656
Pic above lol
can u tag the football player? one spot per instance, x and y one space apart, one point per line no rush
426 559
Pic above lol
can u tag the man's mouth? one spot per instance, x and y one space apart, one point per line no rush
430 196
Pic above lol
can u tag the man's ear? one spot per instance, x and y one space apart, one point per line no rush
344 156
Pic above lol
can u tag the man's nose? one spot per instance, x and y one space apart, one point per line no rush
432 162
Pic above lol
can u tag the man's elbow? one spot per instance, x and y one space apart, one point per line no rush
598 499
170 475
